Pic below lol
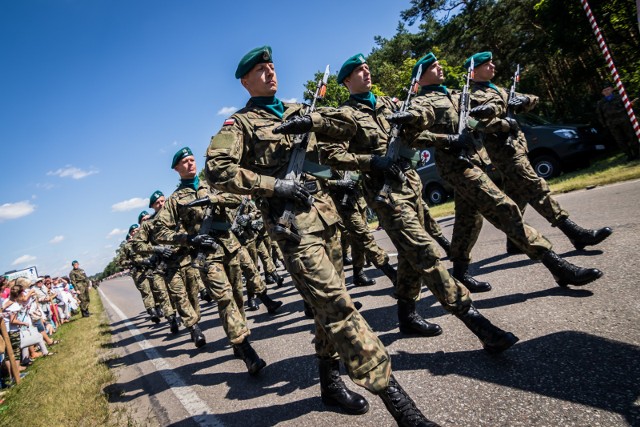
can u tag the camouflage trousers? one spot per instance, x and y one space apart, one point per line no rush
430 224
315 265
520 181
161 294
264 253
477 196
358 234
83 295
418 258
223 278
255 284
625 137
183 283
143 284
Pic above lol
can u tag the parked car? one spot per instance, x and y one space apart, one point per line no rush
554 149
435 190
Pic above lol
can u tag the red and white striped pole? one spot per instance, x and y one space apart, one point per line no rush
612 68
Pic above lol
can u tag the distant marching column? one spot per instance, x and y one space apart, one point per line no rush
612 68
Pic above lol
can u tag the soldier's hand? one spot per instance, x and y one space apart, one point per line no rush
163 250
514 127
296 125
257 224
346 184
400 117
380 163
289 189
460 142
482 111
518 102
243 219
203 240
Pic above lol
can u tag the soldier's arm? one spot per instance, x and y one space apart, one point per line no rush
331 123
140 241
167 224
334 152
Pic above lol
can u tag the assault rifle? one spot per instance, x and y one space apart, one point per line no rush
236 227
284 226
465 106
345 199
394 145
206 229
512 94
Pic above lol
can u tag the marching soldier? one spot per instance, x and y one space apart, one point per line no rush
80 282
219 268
247 157
365 149
507 148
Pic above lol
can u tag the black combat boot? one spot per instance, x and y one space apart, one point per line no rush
197 336
160 311
581 237
412 323
512 248
272 306
173 324
153 315
461 272
252 304
274 277
390 272
402 407
360 278
566 273
308 311
444 243
335 393
85 313
250 357
346 259
493 339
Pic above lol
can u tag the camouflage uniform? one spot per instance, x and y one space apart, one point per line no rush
143 243
139 274
221 275
80 282
521 183
418 258
475 193
613 115
246 157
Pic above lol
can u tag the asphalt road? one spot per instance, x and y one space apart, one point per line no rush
577 362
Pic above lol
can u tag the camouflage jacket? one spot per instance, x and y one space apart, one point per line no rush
175 219
612 113
246 157
371 137
77 275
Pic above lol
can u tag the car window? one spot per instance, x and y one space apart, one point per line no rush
528 119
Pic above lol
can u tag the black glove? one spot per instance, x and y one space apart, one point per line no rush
400 117
163 251
298 124
345 185
514 127
257 224
460 142
386 165
243 219
203 240
289 189
482 111
517 103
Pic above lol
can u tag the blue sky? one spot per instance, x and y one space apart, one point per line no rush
98 95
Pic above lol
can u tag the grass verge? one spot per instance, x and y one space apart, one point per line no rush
604 171
67 388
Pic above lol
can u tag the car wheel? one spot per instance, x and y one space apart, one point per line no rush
435 194
546 166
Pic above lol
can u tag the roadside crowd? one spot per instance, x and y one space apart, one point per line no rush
32 312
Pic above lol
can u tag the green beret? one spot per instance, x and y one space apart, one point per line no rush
426 62
255 56
181 154
478 59
74 262
154 197
133 227
349 65
142 215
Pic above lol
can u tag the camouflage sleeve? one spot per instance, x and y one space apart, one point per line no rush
227 200
331 123
494 123
223 170
424 119
335 152
141 241
167 223
533 101
73 276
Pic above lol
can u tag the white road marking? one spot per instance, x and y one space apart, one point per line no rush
198 409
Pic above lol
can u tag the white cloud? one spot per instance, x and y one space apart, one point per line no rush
56 239
116 232
226 111
24 259
290 100
130 204
45 186
15 210
72 172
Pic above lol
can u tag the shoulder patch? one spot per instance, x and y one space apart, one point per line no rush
230 121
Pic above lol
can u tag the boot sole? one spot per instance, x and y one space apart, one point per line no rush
507 343
329 401
602 238
564 284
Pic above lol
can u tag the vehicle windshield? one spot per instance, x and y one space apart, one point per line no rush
529 119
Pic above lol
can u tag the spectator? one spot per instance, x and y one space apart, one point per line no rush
613 115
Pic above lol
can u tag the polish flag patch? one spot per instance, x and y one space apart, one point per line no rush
229 122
